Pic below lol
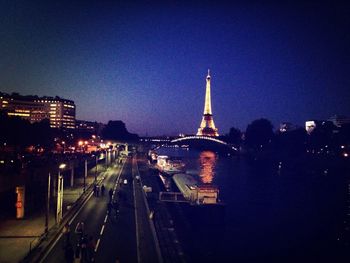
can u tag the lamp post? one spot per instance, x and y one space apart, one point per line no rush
85 174
47 204
96 170
59 210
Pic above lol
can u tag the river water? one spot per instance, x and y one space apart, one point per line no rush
274 212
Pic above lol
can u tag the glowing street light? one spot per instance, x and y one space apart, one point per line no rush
61 166
59 211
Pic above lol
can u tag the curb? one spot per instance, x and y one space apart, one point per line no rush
154 233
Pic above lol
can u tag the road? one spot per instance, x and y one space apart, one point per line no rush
117 236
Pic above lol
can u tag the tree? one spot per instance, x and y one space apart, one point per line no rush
116 130
21 133
344 134
259 133
292 142
322 135
234 136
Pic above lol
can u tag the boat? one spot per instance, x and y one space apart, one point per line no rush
169 166
194 192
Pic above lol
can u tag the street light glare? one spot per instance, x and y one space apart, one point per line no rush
62 166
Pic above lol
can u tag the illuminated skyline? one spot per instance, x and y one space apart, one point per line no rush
144 63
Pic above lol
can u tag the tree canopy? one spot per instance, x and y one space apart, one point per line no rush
116 130
234 136
19 132
259 133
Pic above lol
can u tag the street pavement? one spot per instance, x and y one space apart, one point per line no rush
19 236
170 244
92 214
119 238
126 236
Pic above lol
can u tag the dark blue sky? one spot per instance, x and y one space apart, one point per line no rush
146 63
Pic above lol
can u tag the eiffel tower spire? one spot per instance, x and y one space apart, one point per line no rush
207 126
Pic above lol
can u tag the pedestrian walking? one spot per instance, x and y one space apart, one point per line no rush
116 208
102 190
91 247
83 246
66 234
110 194
109 207
77 253
69 253
95 189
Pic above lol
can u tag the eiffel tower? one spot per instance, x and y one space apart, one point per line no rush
207 127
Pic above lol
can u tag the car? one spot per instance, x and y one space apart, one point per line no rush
125 182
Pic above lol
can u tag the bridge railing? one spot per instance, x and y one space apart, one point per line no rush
199 137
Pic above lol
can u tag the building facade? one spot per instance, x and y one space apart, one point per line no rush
89 127
60 112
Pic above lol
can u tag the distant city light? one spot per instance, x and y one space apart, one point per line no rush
345 154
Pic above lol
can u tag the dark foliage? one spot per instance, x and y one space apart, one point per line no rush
292 142
20 133
343 136
259 134
116 130
323 135
234 136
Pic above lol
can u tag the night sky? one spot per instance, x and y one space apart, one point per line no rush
146 63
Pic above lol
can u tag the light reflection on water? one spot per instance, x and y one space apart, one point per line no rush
207 162
271 208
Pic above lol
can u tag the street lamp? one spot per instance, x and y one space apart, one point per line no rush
96 169
47 205
80 144
59 210
61 166
63 144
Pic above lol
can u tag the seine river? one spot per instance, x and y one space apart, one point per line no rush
274 212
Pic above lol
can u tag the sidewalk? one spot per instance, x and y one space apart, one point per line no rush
147 243
19 236
170 246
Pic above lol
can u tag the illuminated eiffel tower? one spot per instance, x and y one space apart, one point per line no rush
207 127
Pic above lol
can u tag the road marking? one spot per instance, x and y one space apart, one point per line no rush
106 217
97 244
103 228
82 206
70 222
